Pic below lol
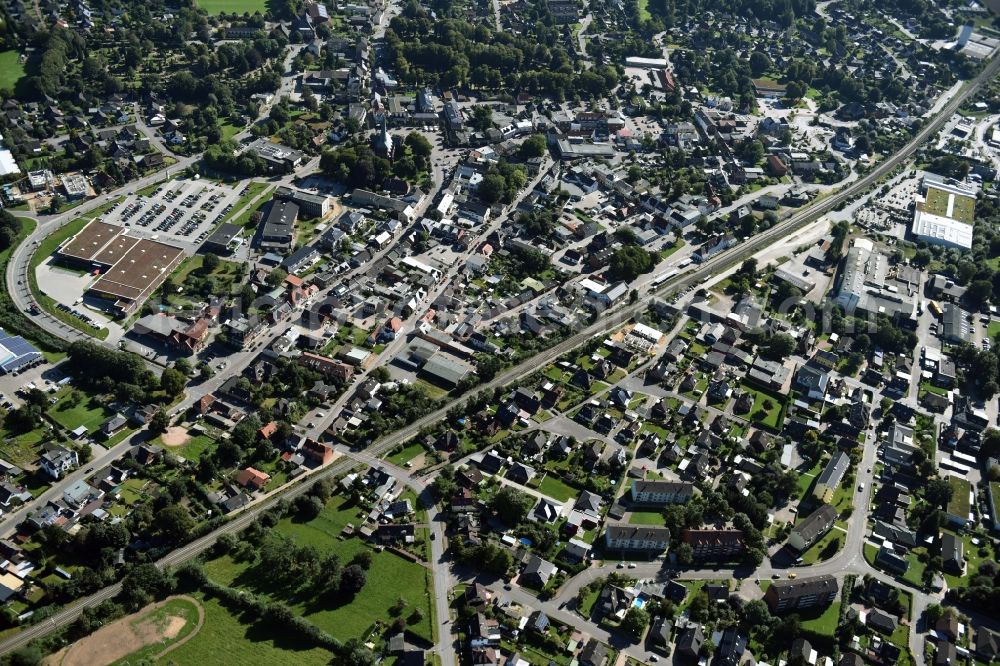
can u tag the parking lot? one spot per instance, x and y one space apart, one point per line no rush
179 212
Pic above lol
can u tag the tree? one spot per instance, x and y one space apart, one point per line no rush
175 522
634 622
938 492
979 292
760 63
183 366
210 262
356 654
780 346
757 614
172 382
159 422
533 146
353 579
276 277
685 554
29 655
492 188
629 262
511 505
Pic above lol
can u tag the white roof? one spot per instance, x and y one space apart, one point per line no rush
8 165
942 230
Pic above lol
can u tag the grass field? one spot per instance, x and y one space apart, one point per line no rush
959 504
644 14
646 518
555 488
406 455
88 412
389 578
232 6
11 70
774 416
256 189
825 623
224 640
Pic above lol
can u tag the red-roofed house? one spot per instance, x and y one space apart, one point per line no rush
267 432
252 478
317 452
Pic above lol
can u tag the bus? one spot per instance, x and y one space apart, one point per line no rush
934 308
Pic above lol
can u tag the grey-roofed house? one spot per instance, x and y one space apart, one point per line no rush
537 572
809 592
636 537
831 476
810 530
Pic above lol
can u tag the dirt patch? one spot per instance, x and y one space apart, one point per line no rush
175 436
129 634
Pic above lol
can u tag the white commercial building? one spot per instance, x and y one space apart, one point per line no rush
939 230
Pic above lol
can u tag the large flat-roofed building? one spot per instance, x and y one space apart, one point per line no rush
946 214
279 226
130 269
939 230
278 157
223 239
863 285
310 205
16 353
787 595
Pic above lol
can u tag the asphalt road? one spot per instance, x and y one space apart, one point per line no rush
611 321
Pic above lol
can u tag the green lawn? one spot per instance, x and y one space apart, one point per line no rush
646 518
555 488
232 6
11 70
959 504
406 455
88 412
224 640
819 553
993 330
21 449
774 416
256 189
644 14
825 623
194 449
229 131
174 608
389 578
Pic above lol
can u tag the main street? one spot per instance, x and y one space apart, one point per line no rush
610 321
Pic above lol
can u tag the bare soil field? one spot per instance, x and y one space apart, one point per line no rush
156 625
